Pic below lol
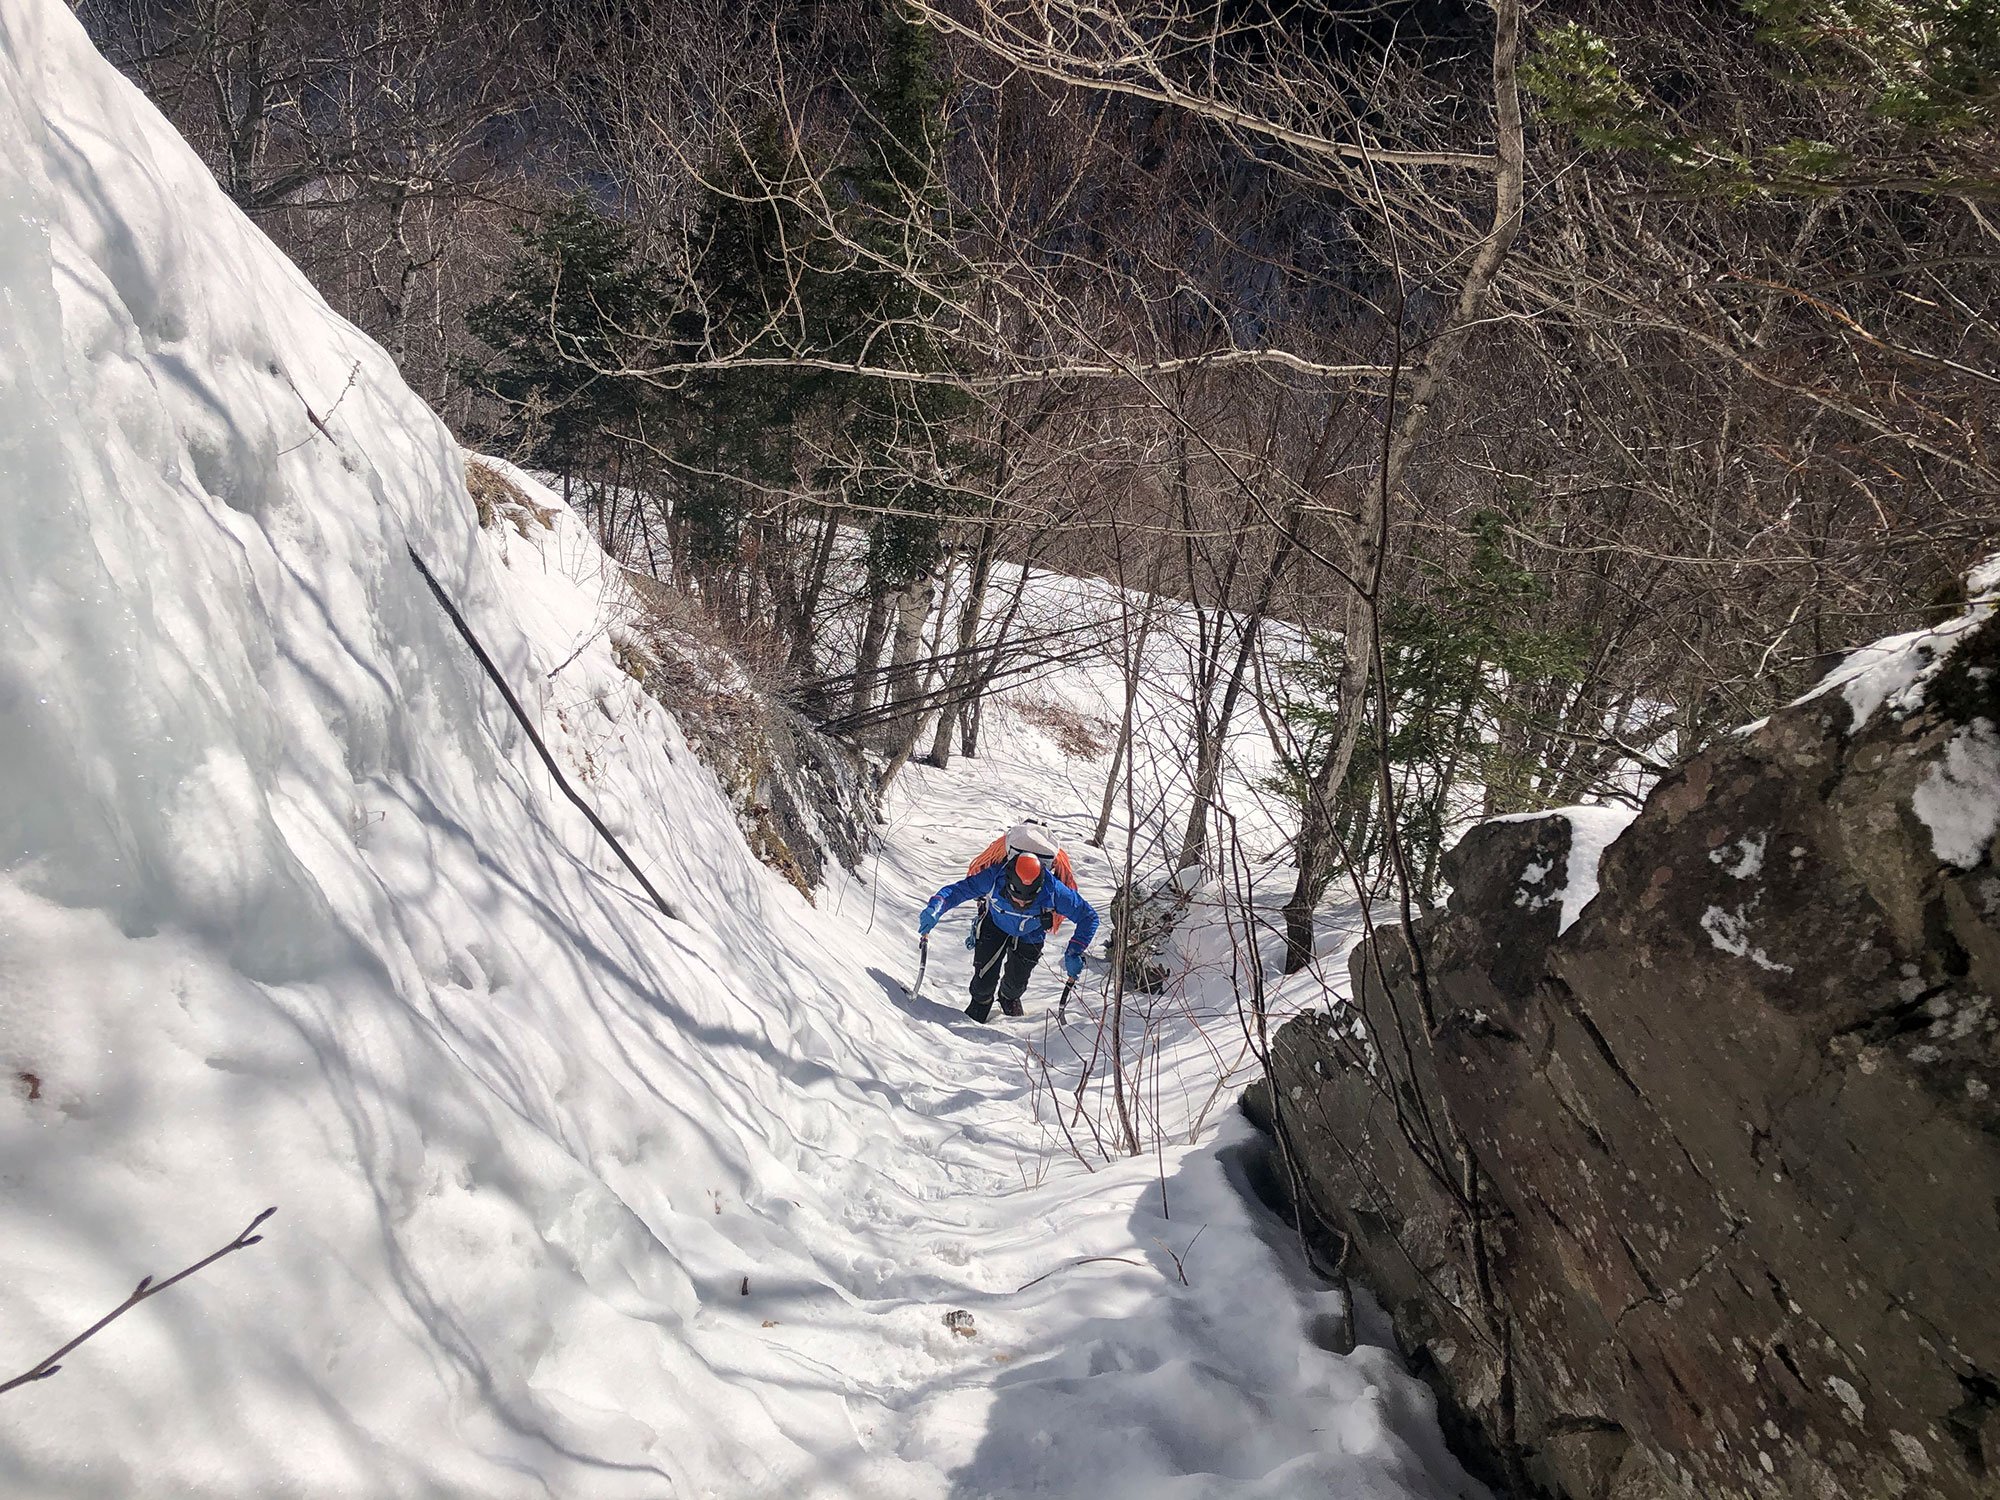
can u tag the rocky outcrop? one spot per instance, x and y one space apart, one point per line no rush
1700 1197
1143 919
801 797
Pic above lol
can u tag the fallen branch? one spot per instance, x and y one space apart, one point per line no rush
535 739
147 1287
1180 1260
1122 1260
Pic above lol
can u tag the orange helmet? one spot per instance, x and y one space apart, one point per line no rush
1024 879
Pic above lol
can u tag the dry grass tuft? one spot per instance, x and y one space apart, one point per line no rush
1078 736
495 498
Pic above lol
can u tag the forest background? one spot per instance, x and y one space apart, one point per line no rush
1503 399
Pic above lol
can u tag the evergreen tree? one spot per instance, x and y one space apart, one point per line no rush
762 278
1459 653
903 435
1919 81
578 306
777 285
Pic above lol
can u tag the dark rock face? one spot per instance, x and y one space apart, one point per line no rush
1701 1198
806 801
802 797
1142 919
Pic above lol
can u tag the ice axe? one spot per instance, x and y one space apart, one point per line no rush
923 962
1062 1001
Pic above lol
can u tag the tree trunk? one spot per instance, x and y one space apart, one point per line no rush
1134 661
913 676
965 667
902 684
1209 756
990 665
961 706
803 652
1210 753
1315 847
968 728
868 659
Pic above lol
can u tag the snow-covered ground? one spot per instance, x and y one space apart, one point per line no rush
573 1198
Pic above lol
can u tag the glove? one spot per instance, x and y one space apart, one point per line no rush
926 921
1073 964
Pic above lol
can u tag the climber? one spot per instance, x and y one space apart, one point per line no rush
1024 902
1025 837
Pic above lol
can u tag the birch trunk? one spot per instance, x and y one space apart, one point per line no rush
1316 849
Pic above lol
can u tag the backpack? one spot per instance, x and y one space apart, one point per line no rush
1027 838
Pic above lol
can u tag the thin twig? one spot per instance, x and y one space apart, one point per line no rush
147 1287
1123 1260
1180 1260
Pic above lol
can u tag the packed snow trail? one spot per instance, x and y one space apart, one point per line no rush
573 1199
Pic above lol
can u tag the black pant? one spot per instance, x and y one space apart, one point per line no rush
1003 963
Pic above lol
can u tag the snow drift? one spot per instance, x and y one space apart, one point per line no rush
572 1198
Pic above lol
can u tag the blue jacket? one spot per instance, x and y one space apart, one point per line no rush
1023 923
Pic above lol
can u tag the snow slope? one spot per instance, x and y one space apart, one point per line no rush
573 1199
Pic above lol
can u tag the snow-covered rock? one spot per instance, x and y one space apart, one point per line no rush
1736 1120
1897 672
1592 830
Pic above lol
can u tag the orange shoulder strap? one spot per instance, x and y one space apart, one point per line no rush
1067 876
